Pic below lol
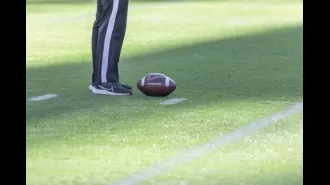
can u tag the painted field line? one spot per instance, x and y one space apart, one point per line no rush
172 101
203 149
43 97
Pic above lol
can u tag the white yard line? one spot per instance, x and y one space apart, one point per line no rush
216 143
43 97
172 101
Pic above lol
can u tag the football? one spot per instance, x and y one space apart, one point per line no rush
156 84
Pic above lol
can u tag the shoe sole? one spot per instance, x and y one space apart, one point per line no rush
104 92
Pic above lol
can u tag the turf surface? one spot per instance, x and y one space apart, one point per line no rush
234 62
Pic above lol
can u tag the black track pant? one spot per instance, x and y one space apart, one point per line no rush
107 39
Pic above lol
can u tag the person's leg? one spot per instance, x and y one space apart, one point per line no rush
109 43
116 38
95 33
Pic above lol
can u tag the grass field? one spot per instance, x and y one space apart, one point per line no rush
234 61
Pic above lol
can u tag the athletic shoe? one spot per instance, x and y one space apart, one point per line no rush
114 89
126 86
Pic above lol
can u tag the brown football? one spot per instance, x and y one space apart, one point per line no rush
156 84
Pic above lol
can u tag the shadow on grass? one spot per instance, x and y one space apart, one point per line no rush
57 1
45 2
266 66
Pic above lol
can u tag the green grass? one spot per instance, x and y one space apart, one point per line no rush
272 156
235 61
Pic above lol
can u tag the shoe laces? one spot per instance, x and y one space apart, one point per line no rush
115 84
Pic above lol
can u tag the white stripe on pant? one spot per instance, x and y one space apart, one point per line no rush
107 41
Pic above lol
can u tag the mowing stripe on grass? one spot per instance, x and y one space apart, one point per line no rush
43 97
216 143
281 102
91 15
172 101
